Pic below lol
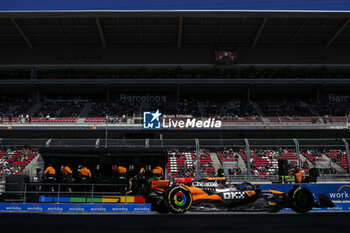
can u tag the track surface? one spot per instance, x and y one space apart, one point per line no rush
155 223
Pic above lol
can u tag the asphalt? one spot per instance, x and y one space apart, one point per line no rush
170 223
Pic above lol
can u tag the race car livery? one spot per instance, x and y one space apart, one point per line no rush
213 195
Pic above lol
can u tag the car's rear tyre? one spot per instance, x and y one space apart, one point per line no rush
162 207
179 199
301 199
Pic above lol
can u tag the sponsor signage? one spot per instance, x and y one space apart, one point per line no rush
171 5
56 207
335 98
153 120
143 98
323 164
116 208
230 164
342 207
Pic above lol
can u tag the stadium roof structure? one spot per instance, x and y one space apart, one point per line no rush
48 23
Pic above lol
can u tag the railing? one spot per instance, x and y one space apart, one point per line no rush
226 122
244 147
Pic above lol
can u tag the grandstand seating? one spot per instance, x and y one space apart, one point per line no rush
284 108
14 161
42 120
182 163
62 108
339 156
185 73
117 108
266 161
226 156
235 111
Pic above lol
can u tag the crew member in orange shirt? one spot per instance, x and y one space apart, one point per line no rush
85 172
49 176
67 172
50 171
299 175
158 171
122 169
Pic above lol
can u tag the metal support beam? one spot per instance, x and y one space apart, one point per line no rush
161 140
248 158
197 158
298 31
347 152
248 92
20 30
336 34
220 29
147 143
243 22
284 21
179 33
106 135
48 143
297 150
139 30
61 30
100 31
97 143
261 28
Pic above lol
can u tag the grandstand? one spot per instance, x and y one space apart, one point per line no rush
83 80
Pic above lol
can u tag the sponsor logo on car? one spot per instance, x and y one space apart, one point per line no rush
233 195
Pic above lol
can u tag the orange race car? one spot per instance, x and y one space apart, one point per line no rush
211 194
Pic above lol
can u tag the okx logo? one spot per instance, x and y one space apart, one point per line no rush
151 120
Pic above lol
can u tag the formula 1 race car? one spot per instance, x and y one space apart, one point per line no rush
211 195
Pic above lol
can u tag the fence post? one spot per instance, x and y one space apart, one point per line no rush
48 143
58 193
248 157
92 193
106 134
147 143
297 150
347 152
24 193
197 158
161 140
166 159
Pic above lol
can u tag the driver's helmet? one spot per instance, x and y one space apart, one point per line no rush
246 186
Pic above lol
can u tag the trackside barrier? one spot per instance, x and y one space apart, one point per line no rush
338 207
335 192
74 208
115 208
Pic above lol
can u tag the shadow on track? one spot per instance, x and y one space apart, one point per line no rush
218 223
